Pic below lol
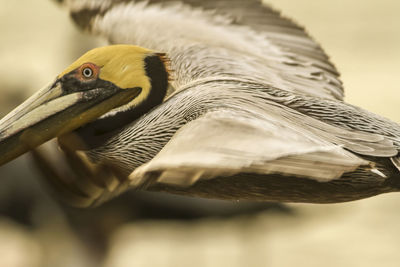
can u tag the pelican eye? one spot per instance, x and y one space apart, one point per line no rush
87 72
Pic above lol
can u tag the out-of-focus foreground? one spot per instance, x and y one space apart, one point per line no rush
39 40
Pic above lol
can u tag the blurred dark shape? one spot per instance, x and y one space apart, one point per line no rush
140 206
20 192
24 198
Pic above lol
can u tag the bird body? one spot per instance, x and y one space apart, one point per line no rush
254 109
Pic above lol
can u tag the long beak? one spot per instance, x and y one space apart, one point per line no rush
50 113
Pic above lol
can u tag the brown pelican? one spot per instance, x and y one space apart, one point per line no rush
227 100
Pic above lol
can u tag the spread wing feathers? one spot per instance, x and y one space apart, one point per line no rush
224 143
277 48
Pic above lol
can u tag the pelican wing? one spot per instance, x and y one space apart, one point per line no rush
225 143
269 140
266 46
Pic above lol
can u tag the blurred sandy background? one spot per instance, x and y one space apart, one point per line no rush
38 41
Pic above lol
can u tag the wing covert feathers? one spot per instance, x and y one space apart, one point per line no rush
227 143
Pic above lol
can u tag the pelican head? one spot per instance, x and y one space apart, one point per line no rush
105 88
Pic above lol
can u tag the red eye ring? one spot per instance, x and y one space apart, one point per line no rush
88 71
